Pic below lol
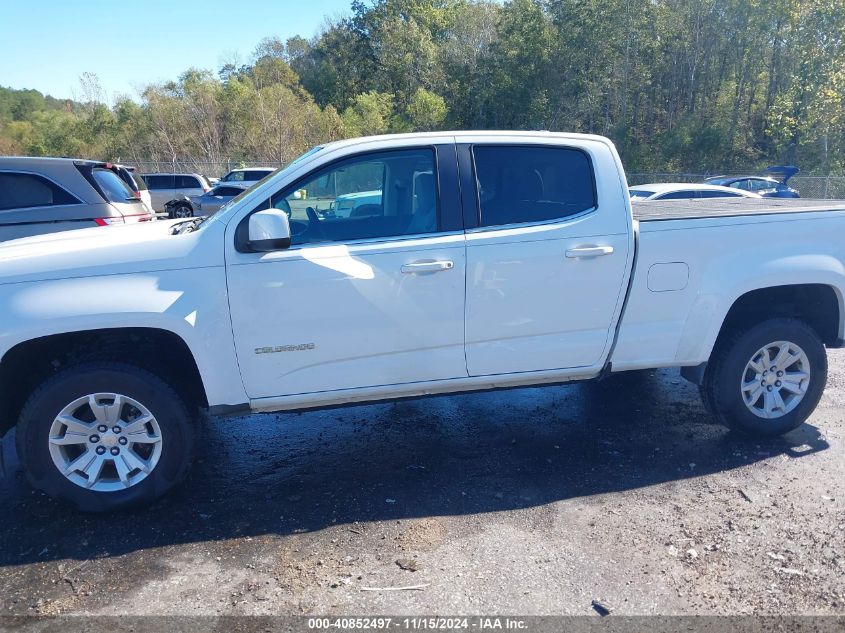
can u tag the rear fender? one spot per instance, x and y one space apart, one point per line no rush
731 277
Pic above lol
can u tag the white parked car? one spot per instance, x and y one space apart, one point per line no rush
247 174
685 191
498 259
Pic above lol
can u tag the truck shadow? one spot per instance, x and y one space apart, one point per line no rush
451 455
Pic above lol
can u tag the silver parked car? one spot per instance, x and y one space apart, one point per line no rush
166 187
208 203
45 195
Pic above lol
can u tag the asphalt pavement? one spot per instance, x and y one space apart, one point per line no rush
532 501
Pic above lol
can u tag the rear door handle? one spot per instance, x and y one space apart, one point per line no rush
427 267
588 251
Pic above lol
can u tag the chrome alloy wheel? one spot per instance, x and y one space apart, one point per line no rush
105 442
775 380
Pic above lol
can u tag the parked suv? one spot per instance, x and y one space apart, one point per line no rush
166 187
46 195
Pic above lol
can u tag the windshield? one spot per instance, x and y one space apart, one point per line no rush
640 193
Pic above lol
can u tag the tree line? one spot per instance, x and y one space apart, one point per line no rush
698 85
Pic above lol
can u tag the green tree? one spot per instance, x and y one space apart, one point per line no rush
426 111
370 113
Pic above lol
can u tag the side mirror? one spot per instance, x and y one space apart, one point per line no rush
269 230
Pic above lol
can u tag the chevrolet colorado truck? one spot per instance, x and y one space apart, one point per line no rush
488 260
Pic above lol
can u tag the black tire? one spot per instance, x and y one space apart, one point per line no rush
181 211
47 401
721 387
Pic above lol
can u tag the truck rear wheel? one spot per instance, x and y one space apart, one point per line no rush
768 379
105 436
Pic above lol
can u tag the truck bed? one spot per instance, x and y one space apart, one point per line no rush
658 210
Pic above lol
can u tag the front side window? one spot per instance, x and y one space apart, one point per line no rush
385 194
226 191
532 184
764 185
22 191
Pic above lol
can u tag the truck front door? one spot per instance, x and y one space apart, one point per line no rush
369 298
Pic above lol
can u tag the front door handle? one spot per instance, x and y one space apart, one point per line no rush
427 266
589 251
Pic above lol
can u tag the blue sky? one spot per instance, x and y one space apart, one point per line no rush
47 44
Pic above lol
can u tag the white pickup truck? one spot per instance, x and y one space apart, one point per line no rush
489 260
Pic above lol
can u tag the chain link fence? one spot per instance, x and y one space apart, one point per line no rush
213 169
816 187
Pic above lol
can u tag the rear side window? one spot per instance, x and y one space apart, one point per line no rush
187 182
23 191
532 184
155 182
112 186
677 195
718 194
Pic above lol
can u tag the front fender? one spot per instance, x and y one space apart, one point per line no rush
190 303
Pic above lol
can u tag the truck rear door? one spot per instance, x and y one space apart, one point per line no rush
549 250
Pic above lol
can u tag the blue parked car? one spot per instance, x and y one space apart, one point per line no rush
766 185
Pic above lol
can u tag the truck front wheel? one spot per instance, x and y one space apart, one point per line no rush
768 379
105 436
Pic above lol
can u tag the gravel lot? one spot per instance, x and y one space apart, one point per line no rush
532 501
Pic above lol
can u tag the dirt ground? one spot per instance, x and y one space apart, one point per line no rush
532 501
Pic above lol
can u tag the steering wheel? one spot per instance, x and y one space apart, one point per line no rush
314 221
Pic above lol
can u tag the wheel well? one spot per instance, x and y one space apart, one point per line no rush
28 364
815 304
